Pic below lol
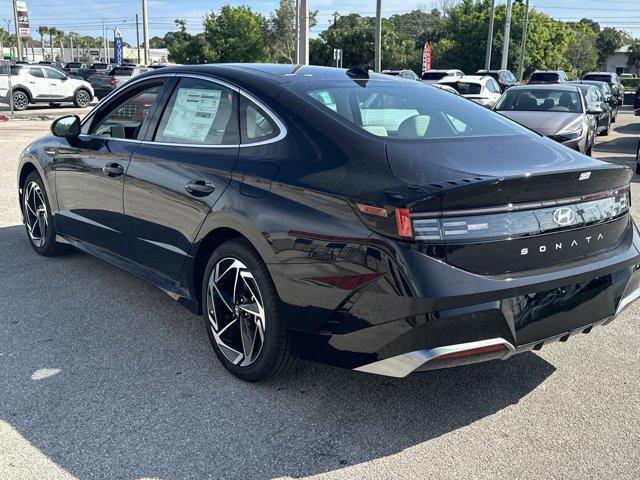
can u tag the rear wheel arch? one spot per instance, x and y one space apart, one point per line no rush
25 90
25 171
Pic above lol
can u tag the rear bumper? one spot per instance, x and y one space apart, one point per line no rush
417 308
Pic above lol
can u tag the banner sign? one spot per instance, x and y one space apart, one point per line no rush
118 49
23 19
426 57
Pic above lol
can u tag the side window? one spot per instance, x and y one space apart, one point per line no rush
54 74
199 113
255 124
124 119
36 72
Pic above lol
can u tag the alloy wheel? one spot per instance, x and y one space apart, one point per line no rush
82 98
20 101
236 311
35 214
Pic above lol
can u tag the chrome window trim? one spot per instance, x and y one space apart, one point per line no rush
270 113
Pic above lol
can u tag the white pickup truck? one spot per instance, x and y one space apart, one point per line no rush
43 84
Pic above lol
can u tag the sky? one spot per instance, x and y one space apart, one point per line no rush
86 16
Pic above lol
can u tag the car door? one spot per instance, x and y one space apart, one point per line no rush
59 85
38 83
89 170
180 171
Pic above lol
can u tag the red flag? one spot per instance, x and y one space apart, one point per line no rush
426 57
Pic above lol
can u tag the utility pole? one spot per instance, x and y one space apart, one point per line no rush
378 37
304 32
487 58
524 41
145 31
138 37
18 40
71 42
297 34
507 32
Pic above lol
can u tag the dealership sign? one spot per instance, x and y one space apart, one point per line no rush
118 50
426 57
23 19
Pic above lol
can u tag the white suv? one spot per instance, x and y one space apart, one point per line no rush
481 89
43 84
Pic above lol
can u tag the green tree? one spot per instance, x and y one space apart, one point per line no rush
581 52
42 31
634 55
282 31
236 34
609 40
186 48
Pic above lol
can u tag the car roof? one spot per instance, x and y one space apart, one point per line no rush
599 73
555 86
470 78
279 73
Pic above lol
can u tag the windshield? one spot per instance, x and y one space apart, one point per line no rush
434 75
599 78
545 77
404 111
540 100
465 88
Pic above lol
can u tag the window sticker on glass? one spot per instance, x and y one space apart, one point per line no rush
193 114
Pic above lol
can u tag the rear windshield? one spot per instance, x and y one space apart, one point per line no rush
73 65
465 88
599 78
402 111
434 75
100 66
395 74
122 72
545 77
540 100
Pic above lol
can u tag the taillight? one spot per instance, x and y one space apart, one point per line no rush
395 222
114 81
403 222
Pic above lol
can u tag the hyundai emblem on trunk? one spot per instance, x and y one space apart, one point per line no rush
564 216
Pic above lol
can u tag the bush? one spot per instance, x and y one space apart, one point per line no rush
630 83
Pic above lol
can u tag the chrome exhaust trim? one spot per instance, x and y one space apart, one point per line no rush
402 365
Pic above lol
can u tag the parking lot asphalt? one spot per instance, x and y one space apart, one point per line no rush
103 376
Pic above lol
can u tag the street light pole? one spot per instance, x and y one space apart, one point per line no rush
507 31
297 33
138 37
304 32
145 31
487 58
15 19
378 37
524 41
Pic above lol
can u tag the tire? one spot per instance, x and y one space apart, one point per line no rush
20 100
82 98
234 325
607 130
614 117
638 158
38 218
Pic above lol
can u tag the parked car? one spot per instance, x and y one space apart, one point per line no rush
44 84
118 76
612 79
95 69
72 68
446 88
594 98
309 212
559 112
482 90
505 78
408 74
433 76
548 76
636 102
606 91
626 75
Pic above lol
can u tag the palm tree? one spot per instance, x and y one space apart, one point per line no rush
52 31
42 30
60 37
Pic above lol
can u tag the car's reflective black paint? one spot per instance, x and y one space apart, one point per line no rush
353 295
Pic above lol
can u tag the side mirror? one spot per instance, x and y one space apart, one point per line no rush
594 110
66 127
65 78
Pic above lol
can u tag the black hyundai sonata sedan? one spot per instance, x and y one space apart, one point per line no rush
337 216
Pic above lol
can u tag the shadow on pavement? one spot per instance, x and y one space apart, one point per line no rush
110 378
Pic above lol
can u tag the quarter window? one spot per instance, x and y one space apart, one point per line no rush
255 124
199 113
54 74
125 118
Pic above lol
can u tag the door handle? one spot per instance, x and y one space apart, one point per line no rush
113 170
199 188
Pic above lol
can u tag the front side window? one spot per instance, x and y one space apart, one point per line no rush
54 74
255 124
406 112
199 113
125 118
